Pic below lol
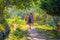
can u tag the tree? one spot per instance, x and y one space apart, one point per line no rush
21 4
52 7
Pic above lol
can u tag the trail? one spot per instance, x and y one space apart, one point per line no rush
34 35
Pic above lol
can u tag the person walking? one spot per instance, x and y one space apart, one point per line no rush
31 20
26 17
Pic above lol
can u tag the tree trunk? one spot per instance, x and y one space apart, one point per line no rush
2 20
1 14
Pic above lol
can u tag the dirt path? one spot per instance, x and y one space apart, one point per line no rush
34 35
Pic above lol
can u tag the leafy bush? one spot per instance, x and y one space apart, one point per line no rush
1 28
54 34
20 33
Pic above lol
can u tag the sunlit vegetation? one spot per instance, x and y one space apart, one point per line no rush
46 17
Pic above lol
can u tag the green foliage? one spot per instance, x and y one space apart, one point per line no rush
20 33
15 20
6 14
54 34
17 34
51 7
1 28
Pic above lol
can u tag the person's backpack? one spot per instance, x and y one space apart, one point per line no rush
30 19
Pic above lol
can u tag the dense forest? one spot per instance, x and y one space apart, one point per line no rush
46 18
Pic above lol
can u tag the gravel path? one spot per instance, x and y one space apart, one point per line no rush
34 35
